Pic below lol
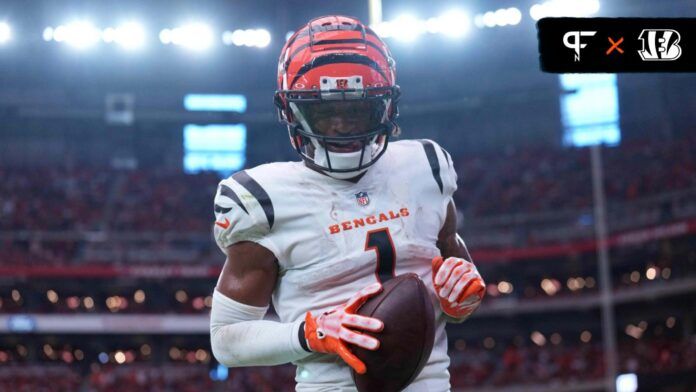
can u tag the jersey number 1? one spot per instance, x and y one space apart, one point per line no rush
380 240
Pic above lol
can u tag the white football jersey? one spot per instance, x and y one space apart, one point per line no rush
333 237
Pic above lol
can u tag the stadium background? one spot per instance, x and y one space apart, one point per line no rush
106 257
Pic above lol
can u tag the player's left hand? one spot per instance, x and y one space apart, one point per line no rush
458 285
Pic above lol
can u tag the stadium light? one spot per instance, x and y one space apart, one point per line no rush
501 17
634 331
120 357
48 350
384 29
651 273
505 287
109 35
194 36
145 349
48 34
139 296
80 34
453 23
627 382
88 303
165 36
5 32
129 35
509 16
560 8
514 16
405 28
538 338
489 19
52 296
262 38
259 38
586 336
219 373
670 322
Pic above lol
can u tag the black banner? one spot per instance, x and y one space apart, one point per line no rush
577 45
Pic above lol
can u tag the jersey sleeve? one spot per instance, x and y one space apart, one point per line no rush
440 177
442 168
241 209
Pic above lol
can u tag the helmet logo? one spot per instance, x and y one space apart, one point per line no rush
362 198
354 82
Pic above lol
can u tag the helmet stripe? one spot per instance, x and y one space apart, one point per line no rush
333 42
338 58
304 31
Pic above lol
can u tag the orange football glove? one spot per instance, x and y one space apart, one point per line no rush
328 332
459 286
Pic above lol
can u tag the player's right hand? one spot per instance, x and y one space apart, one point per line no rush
458 285
330 331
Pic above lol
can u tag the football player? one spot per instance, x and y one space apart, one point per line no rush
318 237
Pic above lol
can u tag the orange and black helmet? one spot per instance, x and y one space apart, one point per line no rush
336 70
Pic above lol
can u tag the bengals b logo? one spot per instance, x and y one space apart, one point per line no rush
660 45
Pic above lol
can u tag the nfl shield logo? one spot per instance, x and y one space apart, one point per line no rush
362 198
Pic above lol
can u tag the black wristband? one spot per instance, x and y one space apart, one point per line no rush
301 336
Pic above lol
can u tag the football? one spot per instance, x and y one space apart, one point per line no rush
407 339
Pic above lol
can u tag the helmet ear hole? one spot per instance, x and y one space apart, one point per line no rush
283 111
278 100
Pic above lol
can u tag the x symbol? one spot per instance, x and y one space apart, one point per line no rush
615 45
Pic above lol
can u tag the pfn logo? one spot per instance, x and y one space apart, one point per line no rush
660 45
575 44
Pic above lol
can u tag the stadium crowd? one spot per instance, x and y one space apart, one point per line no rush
647 266
90 199
531 364
471 366
75 215
541 179
493 183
